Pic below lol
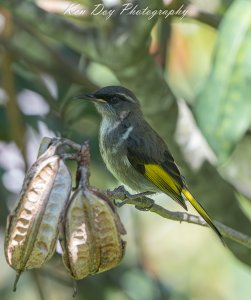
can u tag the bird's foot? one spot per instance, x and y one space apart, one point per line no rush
121 192
125 197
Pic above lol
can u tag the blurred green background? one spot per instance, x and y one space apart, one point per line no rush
193 78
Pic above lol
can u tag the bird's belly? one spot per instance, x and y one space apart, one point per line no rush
118 164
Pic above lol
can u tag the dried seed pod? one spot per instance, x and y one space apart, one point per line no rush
92 232
108 228
32 228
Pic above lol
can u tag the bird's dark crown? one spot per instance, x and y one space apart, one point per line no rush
115 94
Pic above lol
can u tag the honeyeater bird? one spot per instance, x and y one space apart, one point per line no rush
134 152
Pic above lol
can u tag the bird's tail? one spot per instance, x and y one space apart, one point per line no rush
202 212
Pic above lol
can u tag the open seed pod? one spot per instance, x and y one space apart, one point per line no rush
32 228
91 234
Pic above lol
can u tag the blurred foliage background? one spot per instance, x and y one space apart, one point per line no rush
192 76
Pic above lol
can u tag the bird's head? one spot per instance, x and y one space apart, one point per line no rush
113 101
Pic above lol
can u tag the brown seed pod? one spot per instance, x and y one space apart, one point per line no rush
32 228
92 232
108 228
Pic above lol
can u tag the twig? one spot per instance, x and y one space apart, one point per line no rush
71 144
210 19
146 204
83 171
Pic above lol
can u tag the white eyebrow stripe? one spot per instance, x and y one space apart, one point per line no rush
126 97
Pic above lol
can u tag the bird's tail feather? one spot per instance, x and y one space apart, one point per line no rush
202 212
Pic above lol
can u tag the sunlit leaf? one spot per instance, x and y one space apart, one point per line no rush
189 57
223 108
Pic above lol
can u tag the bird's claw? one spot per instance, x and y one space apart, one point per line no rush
120 203
126 197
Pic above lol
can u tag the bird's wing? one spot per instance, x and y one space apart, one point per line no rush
156 164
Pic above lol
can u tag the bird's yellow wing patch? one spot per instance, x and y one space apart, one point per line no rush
158 176
165 182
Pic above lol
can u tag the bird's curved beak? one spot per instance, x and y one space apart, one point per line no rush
90 97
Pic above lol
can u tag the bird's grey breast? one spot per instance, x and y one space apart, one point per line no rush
112 139
113 148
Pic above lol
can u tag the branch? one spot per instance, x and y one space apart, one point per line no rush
210 19
196 13
146 204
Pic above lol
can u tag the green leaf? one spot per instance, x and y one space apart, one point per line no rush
223 108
